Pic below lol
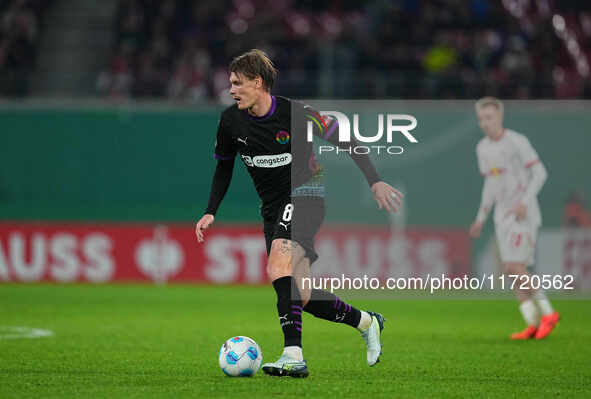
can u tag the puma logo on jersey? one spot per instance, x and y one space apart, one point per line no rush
284 224
242 140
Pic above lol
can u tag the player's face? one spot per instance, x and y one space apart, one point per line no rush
490 120
243 90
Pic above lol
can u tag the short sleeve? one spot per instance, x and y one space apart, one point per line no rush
224 146
528 155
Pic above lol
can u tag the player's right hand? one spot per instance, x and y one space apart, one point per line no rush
202 225
386 196
475 229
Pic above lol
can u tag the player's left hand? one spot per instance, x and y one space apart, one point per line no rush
387 196
202 225
475 229
519 210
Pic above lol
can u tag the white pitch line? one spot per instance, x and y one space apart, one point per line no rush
16 332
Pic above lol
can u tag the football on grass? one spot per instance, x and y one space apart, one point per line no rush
240 357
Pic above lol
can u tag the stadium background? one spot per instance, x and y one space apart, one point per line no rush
107 115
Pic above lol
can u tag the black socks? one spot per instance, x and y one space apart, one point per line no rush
328 306
322 304
289 308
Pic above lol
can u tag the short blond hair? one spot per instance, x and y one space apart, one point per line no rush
488 101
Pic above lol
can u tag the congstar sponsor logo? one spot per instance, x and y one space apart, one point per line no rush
267 161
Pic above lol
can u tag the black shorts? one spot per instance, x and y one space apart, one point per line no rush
297 219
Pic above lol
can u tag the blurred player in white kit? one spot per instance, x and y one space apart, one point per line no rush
513 175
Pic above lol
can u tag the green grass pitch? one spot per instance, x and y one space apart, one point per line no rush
134 341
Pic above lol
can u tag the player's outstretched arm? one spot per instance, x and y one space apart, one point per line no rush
387 196
538 176
486 198
537 180
327 129
219 186
486 204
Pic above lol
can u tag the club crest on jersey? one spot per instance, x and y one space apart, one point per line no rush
282 137
494 171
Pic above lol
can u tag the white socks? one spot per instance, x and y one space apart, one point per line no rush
543 302
529 312
364 322
295 352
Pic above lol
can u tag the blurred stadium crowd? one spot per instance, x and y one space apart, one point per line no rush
179 49
20 23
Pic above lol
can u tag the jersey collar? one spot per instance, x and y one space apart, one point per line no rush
268 114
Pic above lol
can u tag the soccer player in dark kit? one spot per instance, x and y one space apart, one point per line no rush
289 182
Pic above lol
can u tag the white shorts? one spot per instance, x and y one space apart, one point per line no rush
517 241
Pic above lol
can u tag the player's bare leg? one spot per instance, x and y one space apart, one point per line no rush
536 327
522 288
284 254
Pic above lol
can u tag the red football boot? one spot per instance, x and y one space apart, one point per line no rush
547 324
528 333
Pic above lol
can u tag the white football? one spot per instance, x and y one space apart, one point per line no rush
240 357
